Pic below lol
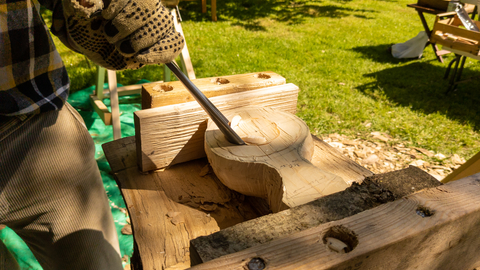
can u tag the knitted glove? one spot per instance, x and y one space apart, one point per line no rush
127 34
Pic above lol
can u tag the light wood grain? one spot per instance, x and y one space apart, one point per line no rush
149 207
204 204
277 167
168 93
173 134
392 236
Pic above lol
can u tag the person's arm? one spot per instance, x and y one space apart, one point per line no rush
117 34
35 79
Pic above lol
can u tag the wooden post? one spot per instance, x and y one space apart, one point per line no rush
112 85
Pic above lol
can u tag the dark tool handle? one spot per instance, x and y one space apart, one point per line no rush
218 118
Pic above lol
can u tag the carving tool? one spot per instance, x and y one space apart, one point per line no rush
218 118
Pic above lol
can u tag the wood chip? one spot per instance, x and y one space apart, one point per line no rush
336 144
383 137
456 159
209 207
349 142
372 159
172 214
205 170
424 151
127 229
418 163
178 219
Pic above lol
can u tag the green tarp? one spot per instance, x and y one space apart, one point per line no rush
101 134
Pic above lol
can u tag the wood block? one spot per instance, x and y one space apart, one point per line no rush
436 228
168 93
175 133
372 192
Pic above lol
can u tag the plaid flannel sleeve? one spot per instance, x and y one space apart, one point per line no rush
33 78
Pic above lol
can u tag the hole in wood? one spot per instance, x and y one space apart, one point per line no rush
340 239
424 212
262 76
256 264
163 88
220 81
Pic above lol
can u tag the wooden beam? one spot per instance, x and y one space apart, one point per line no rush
372 192
433 229
173 134
168 93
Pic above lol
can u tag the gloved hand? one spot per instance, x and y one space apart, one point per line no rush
126 34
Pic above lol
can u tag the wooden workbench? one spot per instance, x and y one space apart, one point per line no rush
426 229
171 207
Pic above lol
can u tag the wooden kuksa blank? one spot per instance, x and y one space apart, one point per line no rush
277 167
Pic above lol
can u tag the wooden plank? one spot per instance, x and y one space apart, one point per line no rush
202 205
168 93
173 134
102 110
472 166
433 229
186 62
372 192
463 53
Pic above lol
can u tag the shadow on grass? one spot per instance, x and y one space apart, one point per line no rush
247 12
421 87
380 54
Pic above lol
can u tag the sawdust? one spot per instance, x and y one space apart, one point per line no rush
380 153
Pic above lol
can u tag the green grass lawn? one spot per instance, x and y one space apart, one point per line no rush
336 52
